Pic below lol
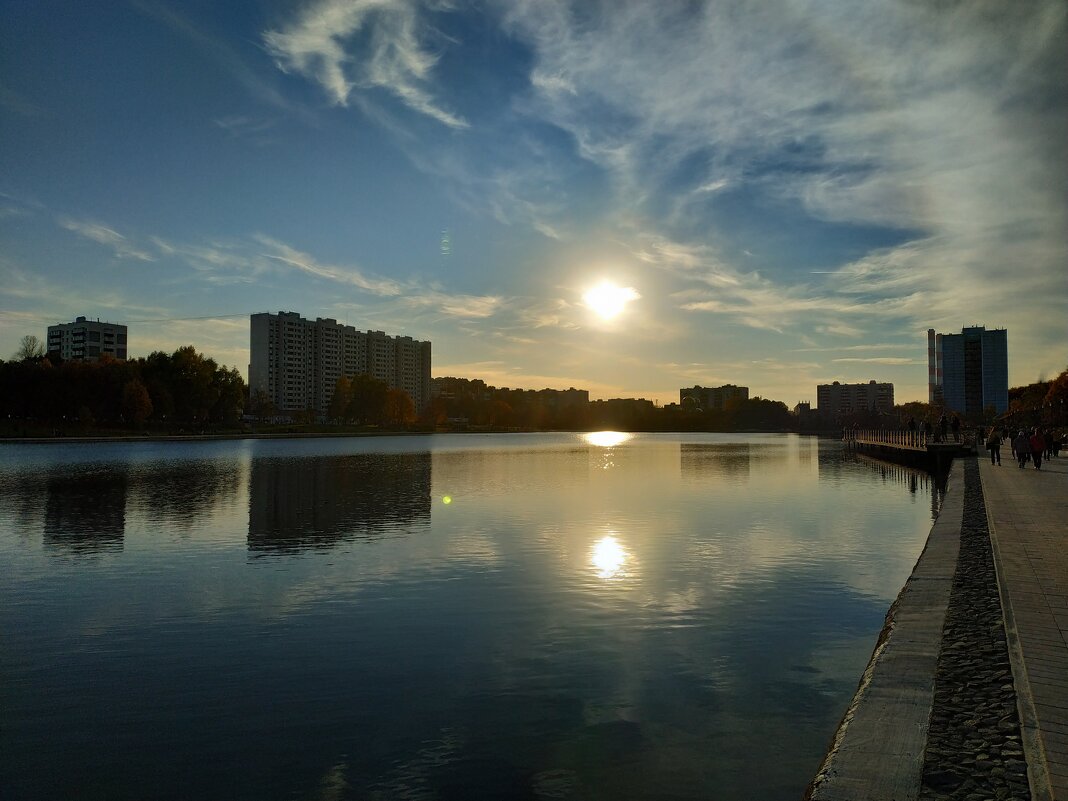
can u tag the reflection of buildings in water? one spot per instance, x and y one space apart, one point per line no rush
297 504
179 494
909 477
835 459
729 460
85 510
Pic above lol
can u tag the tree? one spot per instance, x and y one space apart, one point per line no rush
30 347
229 388
136 404
398 408
368 402
339 401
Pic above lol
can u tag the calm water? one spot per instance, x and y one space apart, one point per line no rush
446 617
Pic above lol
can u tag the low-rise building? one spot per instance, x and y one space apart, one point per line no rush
87 340
712 397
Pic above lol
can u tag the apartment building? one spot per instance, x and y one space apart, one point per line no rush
835 398
713 397
87 340
297 362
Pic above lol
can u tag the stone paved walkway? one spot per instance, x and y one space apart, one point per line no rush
1028 514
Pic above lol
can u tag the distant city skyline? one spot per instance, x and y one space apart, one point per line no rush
625 198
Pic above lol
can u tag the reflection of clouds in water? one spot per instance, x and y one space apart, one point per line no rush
410 779
184 494
334 786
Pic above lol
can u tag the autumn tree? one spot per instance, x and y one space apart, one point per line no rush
398 409
136 404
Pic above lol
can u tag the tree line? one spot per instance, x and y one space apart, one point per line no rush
184 389
475 404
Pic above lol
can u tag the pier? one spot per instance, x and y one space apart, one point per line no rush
910 447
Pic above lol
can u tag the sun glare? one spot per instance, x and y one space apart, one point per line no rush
607 300
608 557
606 439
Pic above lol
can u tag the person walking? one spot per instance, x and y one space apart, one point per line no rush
943 428
912 430
993 444
956 428
1038 447
1021 446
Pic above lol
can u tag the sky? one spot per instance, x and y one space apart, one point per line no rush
784 192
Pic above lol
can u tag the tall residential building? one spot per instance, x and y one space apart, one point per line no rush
86 340
297 362
969 371
713 397
834 399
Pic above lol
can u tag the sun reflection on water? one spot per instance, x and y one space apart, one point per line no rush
608 557
606 439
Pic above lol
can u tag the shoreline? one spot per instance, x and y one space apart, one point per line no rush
937 714
877 751
343 434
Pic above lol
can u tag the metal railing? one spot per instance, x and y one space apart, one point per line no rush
901 439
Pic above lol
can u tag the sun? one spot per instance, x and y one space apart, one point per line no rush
608 300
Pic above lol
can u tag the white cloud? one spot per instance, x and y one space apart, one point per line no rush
101 234
318 45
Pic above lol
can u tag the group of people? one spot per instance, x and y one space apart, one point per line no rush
924 432
1027 446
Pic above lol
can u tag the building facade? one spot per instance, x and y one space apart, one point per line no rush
969 372
297 362
837 399
713 397
87 340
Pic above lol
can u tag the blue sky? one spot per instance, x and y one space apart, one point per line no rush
794 190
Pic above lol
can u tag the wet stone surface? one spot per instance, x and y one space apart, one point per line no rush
974 750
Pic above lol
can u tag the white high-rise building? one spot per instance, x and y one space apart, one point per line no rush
297 362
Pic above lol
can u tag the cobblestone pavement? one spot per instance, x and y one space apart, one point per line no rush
974 747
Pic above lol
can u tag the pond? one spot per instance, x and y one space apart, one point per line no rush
541 616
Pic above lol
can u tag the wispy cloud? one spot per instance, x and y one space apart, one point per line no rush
318 45
35 294
880 360
101 234
281 252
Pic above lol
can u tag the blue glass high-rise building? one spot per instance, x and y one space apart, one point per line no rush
969 371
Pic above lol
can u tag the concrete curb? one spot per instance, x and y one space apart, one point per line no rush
877 753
